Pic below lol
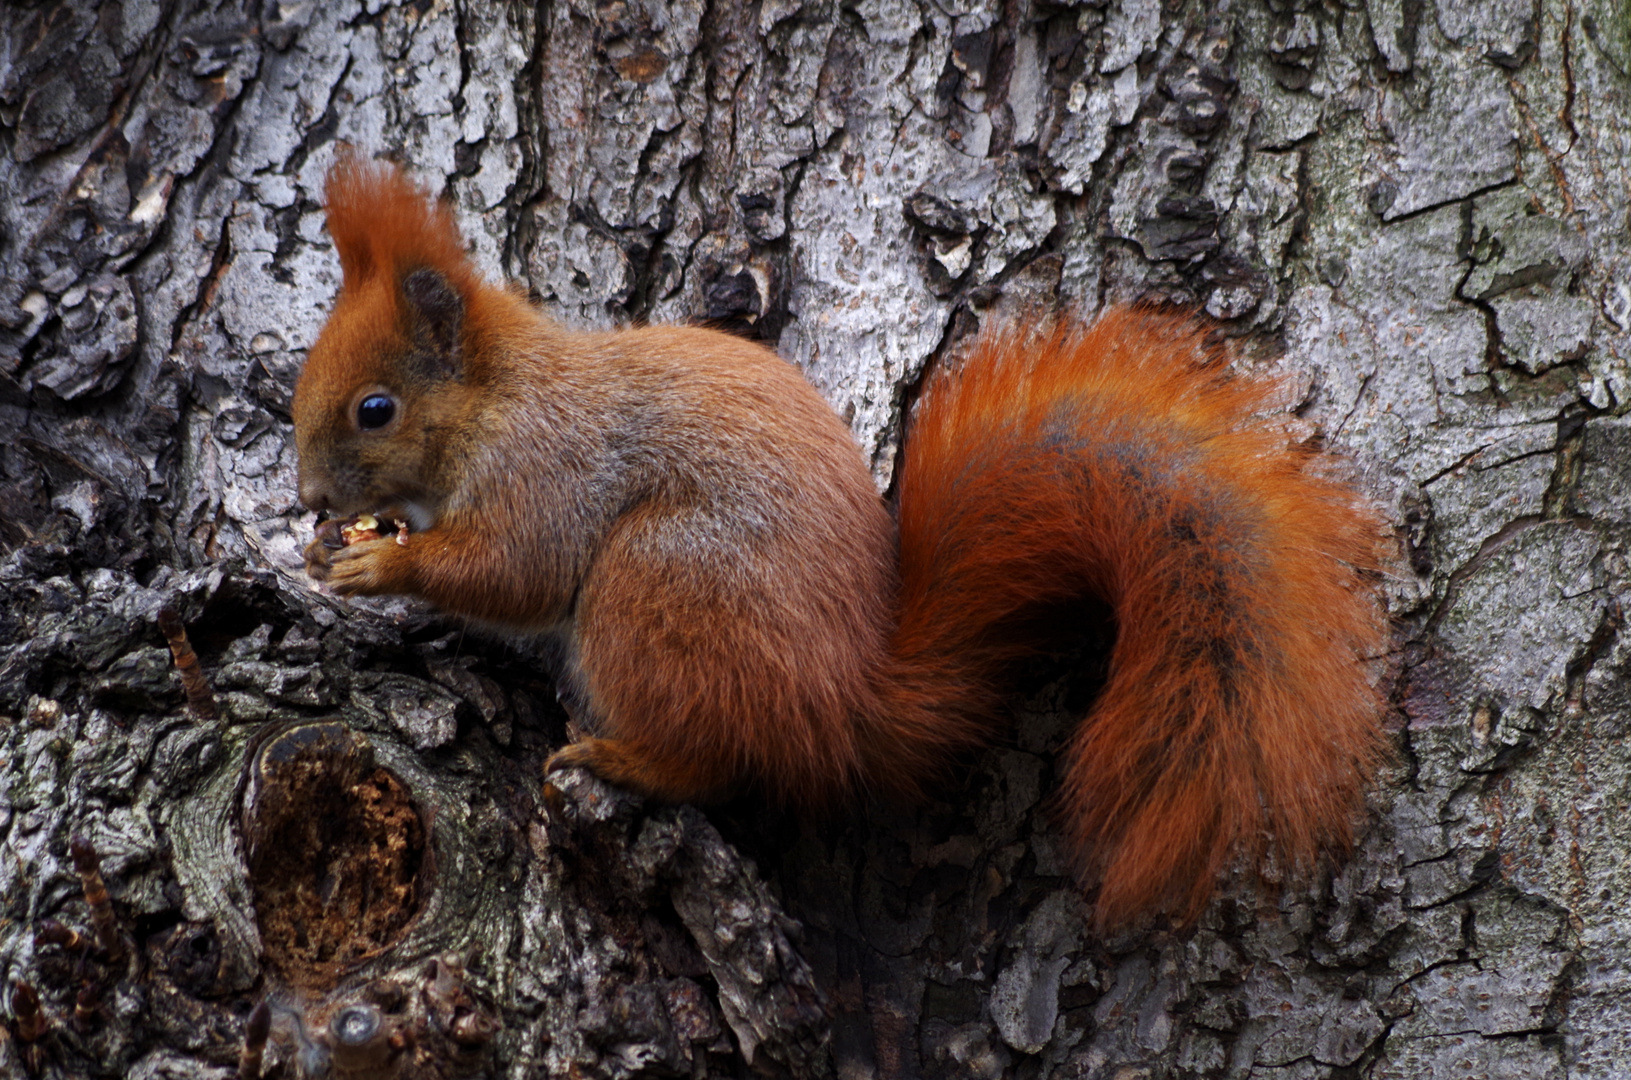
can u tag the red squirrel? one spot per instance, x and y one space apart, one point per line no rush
687 517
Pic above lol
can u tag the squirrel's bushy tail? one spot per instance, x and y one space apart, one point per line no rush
1124 461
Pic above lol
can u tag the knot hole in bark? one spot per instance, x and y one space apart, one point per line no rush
337 853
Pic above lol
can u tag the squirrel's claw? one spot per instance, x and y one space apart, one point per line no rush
317 555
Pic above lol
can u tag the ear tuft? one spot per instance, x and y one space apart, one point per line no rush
383 223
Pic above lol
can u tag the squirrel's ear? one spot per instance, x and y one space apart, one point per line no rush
437 311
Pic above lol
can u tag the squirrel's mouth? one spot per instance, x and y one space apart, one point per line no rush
336 533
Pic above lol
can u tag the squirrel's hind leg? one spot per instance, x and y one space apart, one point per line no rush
705 673
624 763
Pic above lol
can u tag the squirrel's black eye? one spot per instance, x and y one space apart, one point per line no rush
375 411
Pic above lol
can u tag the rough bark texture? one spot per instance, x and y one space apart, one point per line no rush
1419 210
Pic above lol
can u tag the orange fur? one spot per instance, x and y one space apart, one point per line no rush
383 224
1129 464
682 513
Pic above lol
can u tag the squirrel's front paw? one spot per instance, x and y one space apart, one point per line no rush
370 568
319 554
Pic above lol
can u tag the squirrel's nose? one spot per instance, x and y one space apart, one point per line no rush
313 498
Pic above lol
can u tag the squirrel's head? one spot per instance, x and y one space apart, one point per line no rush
384 394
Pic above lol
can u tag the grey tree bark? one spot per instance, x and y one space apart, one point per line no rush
1419 212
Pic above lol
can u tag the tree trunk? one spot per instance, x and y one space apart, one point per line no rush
1418 212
